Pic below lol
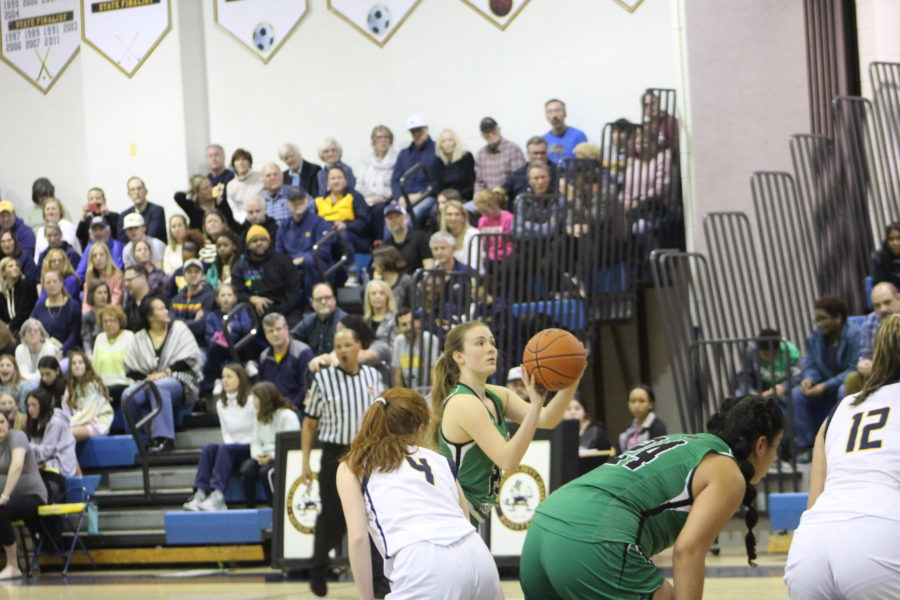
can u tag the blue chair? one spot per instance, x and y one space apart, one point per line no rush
786 509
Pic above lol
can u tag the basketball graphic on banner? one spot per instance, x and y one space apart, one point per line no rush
499 12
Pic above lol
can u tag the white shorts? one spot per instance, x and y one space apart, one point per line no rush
463 570
855 559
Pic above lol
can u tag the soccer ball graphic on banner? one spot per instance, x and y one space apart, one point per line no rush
379 19
264 37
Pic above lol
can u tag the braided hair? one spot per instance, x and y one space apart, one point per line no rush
740 423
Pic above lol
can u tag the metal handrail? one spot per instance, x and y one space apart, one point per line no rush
234 347
428 191
134 427
346 255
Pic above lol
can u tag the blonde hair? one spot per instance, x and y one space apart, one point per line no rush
587 150
461 238
59 205
368 310
458 150
495 197
885 358
66 269
445 373
91 273
3 264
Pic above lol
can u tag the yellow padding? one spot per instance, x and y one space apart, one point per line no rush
60 509
18 523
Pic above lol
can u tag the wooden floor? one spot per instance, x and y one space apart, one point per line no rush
728 577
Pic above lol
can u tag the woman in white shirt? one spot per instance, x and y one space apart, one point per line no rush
36 344
56 214
218 461
274 414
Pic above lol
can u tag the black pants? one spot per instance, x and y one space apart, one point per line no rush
251 472
19 506
330 524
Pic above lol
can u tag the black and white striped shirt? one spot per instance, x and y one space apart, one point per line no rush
339 400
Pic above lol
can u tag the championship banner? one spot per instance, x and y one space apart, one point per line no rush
261 26
40 39
499 12
378 20
629 5
518 497
125 32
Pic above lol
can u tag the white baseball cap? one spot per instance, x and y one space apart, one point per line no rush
514 374
415 121
132 220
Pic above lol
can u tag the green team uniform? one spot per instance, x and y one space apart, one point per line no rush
476 473
592 538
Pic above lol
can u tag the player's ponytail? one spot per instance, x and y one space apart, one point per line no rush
445 373
740 423
395 421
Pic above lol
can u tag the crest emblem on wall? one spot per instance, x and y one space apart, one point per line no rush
261 26
378 20
125 32
40 40
499 12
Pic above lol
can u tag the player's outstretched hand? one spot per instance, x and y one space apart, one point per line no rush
536 394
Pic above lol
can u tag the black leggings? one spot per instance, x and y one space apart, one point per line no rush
18 507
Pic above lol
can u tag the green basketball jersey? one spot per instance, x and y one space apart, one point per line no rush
476 473
643 496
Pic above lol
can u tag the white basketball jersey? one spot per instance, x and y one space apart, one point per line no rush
862 451
417 502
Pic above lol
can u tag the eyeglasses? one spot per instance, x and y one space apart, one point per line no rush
323 299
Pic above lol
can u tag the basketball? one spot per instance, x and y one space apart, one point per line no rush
554 358
501 8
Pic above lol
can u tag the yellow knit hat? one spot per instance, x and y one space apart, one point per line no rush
256 230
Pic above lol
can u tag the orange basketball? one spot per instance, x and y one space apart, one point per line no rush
554 358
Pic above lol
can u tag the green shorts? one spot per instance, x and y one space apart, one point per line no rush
553 567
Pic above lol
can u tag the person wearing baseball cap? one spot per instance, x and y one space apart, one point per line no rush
515 383
411 243
22 232
136 230
265 278
297 236
194 300
497 159
99 232
420 152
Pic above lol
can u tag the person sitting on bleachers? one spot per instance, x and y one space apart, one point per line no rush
379 311
256 215
136 231
346 210
9 408
645 425
886 260
285 363
227 254
267 279
53 379
495 220
100 232
97 297
101 267
219 342
237 414
591 434
110 349
157 280
166 353
770 367
274 414
885 302
136 288
9 248
17 295
540 216
414 352
454 219
48 434
15 225
317 328
388 266
214 225
36 344
373 352
56 261
87 403
195 300
412 244
11 381
832 351
298 235
59 313
330 153
52 237
245 184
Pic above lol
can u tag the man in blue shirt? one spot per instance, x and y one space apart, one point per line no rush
100 232
420 151
297 236
561 139
275 194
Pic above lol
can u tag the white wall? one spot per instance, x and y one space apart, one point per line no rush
878 27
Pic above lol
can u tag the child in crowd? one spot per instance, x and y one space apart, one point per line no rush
771 366
87 402
217 345
274 414
495 219
645 425
52 379
237 414
11 381
48 432
9 407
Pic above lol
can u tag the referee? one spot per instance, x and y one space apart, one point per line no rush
338 399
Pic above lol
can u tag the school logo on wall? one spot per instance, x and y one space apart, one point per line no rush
304 504
520 493
39 40
499 12
125 32
629 5
261 26
378 20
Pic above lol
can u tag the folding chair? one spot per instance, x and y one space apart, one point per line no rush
69 512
